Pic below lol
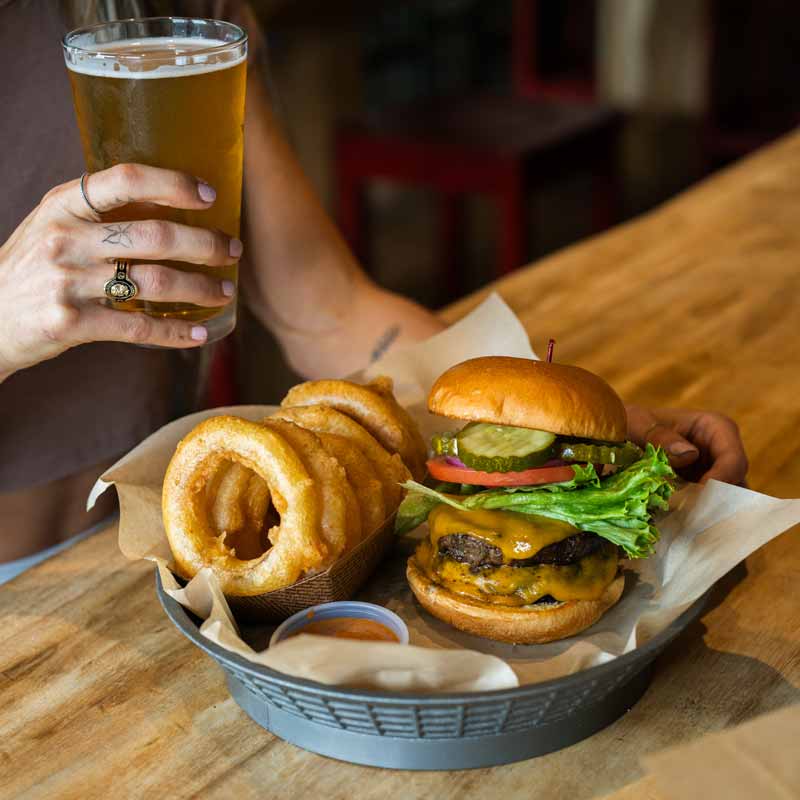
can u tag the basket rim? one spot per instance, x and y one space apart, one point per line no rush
180 618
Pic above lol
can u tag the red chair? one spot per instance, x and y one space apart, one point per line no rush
498 146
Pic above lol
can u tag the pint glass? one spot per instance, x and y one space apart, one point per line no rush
167 92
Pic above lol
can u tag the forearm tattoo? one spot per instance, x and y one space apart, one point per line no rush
118 233
386 340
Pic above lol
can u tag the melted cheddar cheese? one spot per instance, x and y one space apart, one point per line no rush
517 536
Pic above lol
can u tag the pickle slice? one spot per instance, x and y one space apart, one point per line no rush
502 448
620 455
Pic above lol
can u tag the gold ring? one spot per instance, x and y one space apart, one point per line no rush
120 288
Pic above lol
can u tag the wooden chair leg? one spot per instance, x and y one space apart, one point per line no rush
450 242
511 229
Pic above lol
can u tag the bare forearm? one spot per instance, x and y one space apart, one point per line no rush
302 280
300 271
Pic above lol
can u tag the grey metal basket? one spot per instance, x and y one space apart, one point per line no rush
435 732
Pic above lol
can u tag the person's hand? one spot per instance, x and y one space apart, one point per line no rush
700 444
55 264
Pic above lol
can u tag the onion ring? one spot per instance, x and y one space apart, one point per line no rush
340 517
389 469
238 503
226 510
367 487
297 541
256 501
372 409
384 386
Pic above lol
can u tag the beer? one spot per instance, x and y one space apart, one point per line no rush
174 102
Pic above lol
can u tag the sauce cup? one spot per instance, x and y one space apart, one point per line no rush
341 608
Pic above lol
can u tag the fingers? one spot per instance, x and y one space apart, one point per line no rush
644 426
722 453
729 460
98 323
707 442
159 240
158 283
681 451
131 183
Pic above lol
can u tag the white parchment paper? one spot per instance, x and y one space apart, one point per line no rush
706 533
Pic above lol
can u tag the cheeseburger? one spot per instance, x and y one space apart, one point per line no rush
532 502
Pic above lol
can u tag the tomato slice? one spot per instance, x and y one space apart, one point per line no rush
440 469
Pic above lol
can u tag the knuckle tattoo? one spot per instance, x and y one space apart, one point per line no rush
118 234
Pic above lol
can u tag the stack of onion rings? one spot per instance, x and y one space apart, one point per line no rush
372 406
326 478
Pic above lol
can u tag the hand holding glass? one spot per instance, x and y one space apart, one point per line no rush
166 92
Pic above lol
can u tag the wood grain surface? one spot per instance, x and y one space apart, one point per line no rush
696 304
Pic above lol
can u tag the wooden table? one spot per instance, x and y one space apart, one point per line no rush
696 304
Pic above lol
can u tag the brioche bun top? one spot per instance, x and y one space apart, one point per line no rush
524 393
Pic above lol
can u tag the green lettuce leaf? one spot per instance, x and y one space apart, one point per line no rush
618 507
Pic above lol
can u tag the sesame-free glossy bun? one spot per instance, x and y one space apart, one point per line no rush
531 394
534 624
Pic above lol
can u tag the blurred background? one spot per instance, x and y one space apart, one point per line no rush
457 140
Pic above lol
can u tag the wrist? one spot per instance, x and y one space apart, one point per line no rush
318 339
373 322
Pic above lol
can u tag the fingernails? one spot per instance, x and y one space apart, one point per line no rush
206 192
228 288
235 248
681 449
199 333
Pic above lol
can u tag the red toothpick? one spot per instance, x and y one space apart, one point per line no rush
550 346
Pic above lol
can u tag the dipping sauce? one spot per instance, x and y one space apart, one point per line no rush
350 628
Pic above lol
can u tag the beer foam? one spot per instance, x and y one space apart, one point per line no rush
138 58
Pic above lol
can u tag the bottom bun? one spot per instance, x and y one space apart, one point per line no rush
534 624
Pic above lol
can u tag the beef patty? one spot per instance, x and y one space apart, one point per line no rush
481 555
